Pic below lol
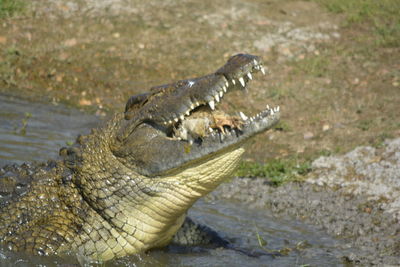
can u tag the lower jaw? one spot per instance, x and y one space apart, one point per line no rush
209 172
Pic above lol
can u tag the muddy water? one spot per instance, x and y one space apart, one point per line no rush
36 131
49 127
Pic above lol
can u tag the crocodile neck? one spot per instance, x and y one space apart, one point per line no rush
141 212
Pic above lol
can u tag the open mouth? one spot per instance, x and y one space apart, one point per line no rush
187 110
203 118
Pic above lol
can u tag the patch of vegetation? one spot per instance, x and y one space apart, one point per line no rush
24 123
10 8
301 245
278 171
7 66
69 143
314 65
282 126
325 153
279 93
379 141
365 125
382 15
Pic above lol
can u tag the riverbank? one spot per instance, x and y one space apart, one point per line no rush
353 197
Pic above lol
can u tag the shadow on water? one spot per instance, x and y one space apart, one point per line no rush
49 127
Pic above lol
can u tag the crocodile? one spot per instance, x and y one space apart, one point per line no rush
126 187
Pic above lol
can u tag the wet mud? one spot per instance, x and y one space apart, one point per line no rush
360 208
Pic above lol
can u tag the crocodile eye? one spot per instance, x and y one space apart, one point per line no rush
134 103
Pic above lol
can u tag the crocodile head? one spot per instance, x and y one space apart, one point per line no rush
172 146
181 124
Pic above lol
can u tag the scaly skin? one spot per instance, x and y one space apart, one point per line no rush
126 187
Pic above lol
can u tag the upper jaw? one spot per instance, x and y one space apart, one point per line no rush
210 89
170 104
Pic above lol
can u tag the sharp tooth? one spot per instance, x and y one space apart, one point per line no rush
241 80
277 108
197 104
255 62
216 97
176 119
210 129
188 112
244 117
182 117
224 88
262 70
272 111
192 106
249 75
226 84
268 107
165 122
233 81
221 94
169 122
212 104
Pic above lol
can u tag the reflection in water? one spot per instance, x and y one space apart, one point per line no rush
51 127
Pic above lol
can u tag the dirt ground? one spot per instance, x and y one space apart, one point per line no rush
337 87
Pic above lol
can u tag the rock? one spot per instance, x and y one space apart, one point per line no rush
308 135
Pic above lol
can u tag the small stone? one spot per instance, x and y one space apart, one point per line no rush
3 39
63 56
85 102
70 42
308 135
59 78
326 127
300 149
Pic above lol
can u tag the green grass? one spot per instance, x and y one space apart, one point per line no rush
282 126
382 16
10 8
365 125
7 66
314 65
278 171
